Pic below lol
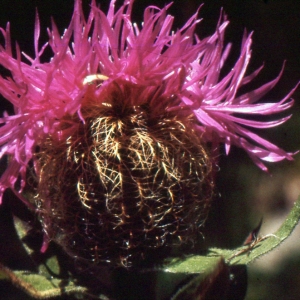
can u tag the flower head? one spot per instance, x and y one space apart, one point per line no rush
109 83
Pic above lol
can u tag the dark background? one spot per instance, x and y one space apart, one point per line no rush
245 193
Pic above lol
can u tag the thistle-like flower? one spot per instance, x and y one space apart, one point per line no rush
114 135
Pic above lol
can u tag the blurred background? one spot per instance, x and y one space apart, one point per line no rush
245 194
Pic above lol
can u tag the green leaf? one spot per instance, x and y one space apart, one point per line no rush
198 264
214 275
22 229
47 281
3 274
245 255
195 264
214 284
39 286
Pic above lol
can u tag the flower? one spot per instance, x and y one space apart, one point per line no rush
106 69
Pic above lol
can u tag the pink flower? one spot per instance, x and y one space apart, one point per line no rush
177 67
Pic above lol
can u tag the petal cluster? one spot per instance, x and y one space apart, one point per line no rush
178 68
